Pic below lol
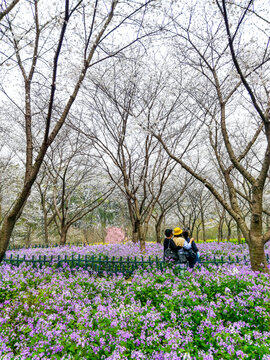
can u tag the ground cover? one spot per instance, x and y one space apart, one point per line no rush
207 250
209 313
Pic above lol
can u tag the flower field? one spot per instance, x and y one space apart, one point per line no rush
207 250
61 313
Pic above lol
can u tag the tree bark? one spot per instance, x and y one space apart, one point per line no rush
63 236
158 230
46 233
255 241
229 232
5 234
141 239
198 229
12 217
220 230
257 253
239 234
135 231
85 235
1 199
138 235
28 236
203 226
45 215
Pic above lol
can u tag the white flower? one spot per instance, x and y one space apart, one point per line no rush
234 271
187 356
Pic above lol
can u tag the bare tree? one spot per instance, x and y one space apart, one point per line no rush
135 161
78 184
192 209
235 84
169 199
29 46
44 186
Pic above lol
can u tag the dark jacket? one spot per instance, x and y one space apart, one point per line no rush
195 249
172 246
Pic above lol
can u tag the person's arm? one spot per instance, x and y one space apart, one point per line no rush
173 246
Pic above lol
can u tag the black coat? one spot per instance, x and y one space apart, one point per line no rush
195 249
173 247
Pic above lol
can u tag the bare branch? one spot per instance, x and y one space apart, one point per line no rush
8 9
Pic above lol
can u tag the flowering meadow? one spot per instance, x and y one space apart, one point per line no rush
206 313
207 250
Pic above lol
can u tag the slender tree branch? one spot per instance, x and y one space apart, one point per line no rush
8 9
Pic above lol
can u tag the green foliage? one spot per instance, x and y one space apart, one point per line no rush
209 307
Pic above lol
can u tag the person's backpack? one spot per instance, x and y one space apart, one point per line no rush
190 254
170 254
182 258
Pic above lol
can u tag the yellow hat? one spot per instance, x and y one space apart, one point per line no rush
177 231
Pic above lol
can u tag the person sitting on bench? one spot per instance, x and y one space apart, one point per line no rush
184 245
172 253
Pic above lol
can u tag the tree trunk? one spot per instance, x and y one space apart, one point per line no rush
135 231
46 233
141 234
142 246
255 241
229 233
198 229
158 231
203 232
5 234
257 254
192 226
103 233
239 234
85 235
203 226
63 236
220 229
28 236
138 235
15 212
1 208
